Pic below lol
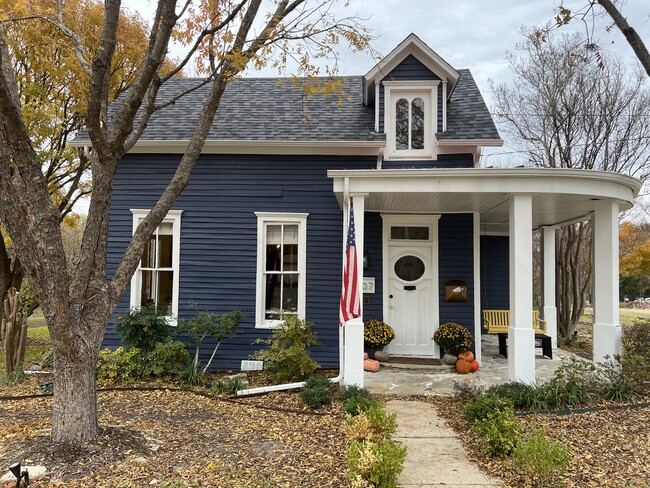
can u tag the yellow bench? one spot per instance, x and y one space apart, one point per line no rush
498 321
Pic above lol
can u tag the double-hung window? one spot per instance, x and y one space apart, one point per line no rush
156 280
281 263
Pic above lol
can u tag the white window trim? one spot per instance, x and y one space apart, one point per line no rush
264 218
428 91
173 217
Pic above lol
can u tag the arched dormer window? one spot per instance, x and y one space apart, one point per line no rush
409 121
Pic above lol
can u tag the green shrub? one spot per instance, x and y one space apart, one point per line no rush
542 459
124 366
167 359
317 392
348 391
613 384
230 385
498 431
191 376
287 357
381 422
575 383
482 407
121 365
142 328
522 395
356 404
47 361
635 357
375 464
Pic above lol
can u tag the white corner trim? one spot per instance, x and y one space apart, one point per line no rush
444 106
377 88
478 319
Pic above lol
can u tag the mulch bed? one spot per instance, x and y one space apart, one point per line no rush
610 447
151 437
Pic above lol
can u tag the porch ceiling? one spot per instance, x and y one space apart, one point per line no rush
559 195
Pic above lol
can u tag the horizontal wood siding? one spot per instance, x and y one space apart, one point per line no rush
410 69
495 265
456 262
443 161
373 307
219 236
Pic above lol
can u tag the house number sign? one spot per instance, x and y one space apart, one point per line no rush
368 285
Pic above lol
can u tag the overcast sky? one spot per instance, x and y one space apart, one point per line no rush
474 34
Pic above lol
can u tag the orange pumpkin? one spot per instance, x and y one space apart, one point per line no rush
473 366
469 356
462 366
371 365
365 356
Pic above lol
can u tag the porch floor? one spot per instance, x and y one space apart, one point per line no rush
412 379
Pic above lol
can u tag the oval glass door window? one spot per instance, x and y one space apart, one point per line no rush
409 268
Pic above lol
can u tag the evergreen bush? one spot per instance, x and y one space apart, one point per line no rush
317 392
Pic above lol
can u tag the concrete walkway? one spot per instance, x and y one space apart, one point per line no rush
435 456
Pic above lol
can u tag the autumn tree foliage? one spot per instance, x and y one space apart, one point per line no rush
564 110
53 90
77 303
634 263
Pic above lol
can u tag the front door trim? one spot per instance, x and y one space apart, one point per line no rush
431 221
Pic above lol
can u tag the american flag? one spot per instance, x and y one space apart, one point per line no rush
350 299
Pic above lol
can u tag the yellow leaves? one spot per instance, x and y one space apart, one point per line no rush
634 242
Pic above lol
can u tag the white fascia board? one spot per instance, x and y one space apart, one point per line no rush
334 148
597 184
470 142
427 56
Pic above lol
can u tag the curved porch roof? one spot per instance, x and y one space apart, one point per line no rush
559 196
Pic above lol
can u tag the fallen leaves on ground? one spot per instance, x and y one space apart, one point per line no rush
154 437
610 447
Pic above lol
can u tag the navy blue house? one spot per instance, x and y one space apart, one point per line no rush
262 224
260 228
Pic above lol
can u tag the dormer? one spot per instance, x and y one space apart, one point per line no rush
409 89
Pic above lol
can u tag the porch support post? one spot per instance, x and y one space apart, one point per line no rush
521 337
548 279
353 372
606 328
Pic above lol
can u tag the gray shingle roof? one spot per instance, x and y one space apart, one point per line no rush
262 109
467 115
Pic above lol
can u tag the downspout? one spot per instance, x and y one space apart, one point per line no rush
300 384
380 158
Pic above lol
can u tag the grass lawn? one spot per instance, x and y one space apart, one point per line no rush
627 315
38 342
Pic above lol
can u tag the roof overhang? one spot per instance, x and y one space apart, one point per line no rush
559 196
427 56
332 148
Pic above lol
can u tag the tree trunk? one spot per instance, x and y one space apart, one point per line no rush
573 271
74 416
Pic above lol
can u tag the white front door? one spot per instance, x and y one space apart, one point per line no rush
411 284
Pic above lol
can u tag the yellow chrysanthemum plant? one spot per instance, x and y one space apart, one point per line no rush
377 334
453 338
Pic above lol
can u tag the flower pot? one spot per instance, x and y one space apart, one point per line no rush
449 359
371 351
382 356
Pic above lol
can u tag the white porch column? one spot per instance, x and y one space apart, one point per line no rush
521 337
548 279
353 369
606 328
